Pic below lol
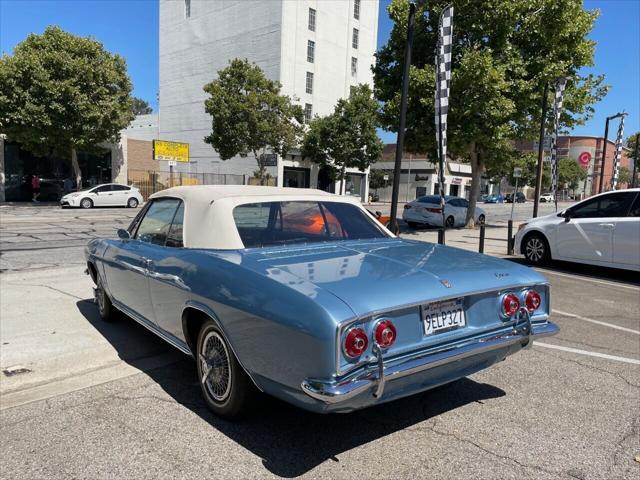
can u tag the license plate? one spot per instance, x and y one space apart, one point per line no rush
443 316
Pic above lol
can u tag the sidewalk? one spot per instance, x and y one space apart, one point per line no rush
495 241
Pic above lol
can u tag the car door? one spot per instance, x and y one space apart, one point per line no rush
102 196
626 238
588 233
168 291
128 275
119 195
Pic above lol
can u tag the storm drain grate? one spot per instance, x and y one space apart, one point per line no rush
11 371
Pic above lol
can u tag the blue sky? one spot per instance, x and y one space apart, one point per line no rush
130 28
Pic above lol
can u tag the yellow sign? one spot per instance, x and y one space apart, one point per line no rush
163 150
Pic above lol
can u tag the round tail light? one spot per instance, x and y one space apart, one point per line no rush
385 333
532 300
355 343
510 304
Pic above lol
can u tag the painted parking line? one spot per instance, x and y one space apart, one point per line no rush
586 278
586 352
597 322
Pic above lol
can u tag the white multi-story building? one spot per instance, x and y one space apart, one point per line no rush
317 49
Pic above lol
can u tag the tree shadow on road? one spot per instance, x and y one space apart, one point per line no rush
290 441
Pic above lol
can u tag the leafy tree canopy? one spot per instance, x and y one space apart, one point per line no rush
570 173
503 54
60 92
141 107
347 138
250 115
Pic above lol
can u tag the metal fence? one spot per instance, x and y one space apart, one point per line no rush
150 182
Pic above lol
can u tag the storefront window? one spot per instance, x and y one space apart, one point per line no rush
354 184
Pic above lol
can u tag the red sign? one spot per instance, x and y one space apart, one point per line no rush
585 159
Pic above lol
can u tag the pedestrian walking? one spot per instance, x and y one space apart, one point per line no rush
35 187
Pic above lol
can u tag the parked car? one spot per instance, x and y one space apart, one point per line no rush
427 211
383 219
105 195
520 198
50 191
546 197
331 321
602 230
494 199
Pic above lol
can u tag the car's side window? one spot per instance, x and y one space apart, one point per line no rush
118 188
102 189
155 225
635 208
463 203
611 205
174 237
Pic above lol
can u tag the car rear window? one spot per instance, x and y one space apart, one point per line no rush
280 223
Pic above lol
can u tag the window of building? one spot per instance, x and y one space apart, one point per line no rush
308 112
354 66
312 20
354 38
187 8
356 9
311 51
309 86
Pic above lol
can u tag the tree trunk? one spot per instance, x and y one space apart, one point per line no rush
261 167
343 181
76 169
477 168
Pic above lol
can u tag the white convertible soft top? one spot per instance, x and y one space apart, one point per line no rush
208 216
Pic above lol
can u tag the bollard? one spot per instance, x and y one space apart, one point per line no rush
481 246
509 237
441 236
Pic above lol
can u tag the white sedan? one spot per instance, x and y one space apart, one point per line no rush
602 230
106 195
427 211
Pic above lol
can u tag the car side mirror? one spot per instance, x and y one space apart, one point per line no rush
123 234
567 216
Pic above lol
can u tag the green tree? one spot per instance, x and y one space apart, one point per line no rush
624 176
141 107
377 180
347 138
570 173
250 115
634 155
60 93
503 54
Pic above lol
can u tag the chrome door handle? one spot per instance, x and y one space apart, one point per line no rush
607 225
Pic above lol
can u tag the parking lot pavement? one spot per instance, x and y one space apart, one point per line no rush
106 400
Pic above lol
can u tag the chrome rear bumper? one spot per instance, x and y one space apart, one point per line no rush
375 377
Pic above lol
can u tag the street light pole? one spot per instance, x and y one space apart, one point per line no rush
604 148
540 167
403 118
635 163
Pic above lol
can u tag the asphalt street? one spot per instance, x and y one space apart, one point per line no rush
100 400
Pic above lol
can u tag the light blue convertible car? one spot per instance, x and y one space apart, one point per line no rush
305 296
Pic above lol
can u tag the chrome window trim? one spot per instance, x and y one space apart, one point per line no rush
374 315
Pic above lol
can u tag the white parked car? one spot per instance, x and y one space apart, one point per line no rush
426 211
105 195
601 230
546 197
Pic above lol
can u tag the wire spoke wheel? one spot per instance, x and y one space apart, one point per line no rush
216 367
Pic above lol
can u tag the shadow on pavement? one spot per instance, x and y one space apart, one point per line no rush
591 271
289 440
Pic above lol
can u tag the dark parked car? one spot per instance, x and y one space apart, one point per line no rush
520 198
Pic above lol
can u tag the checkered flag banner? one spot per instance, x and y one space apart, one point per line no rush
557 108
443 81
618 154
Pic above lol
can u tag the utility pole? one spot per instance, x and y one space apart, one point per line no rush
540 167
604 148
403 118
